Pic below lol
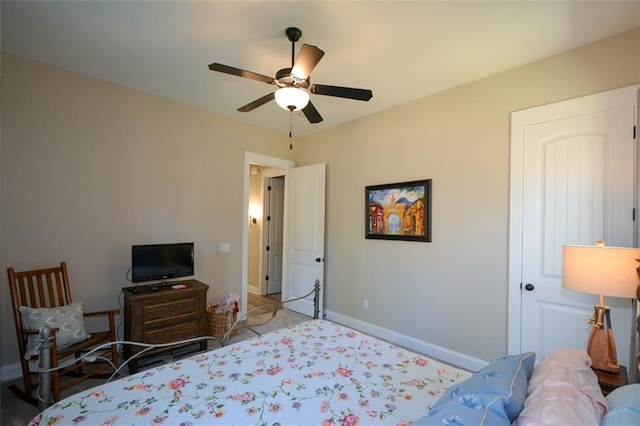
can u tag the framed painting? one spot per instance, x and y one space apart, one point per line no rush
399 211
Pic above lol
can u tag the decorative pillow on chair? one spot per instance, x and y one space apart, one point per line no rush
68 319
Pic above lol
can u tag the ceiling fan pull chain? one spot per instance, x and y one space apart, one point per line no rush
290 130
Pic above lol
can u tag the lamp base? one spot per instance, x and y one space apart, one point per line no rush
611 368
601 346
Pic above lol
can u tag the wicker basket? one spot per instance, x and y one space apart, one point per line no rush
219 323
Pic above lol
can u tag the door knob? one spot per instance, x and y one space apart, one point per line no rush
529 287
318 259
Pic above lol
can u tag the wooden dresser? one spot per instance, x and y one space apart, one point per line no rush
162 315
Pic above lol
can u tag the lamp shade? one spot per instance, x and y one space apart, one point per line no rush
291 98
607 271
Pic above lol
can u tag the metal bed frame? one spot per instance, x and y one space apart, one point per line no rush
46 336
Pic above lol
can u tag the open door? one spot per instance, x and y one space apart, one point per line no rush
303 258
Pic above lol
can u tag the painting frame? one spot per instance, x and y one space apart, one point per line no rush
398 211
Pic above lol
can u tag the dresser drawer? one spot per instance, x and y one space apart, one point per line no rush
155 312
172 333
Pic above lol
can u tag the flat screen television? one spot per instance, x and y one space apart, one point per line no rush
150 262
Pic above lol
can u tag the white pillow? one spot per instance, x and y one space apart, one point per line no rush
68 319
563 390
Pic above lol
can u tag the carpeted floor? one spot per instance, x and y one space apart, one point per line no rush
15 412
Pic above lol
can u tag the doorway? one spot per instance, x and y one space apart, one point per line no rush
264 162
266 230
303 229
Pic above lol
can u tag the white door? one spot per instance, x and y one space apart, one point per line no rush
303 260
575 162
273 219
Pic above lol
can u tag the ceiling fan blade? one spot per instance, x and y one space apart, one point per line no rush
341 92
240 73
311 113
307 59
258 102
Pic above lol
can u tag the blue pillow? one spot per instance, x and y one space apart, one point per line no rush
473 410
624 396
624 406
507 377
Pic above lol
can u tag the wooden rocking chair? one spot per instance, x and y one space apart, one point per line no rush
47 289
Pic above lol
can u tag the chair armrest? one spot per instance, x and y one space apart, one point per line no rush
102 313
36 331
109 314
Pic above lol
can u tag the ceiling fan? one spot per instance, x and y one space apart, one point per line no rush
294 83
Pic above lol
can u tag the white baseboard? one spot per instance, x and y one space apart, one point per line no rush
11 372
253 289
434 351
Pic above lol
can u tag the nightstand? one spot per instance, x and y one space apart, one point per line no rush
611 381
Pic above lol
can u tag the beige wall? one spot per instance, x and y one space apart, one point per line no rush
451 292
89 168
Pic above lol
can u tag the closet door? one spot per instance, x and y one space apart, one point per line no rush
576 167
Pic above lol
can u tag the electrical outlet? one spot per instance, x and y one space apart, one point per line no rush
365 304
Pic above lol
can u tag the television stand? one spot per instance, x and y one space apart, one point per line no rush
164 315
156 286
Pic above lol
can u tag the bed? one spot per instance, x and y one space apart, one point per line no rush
322 373
316 372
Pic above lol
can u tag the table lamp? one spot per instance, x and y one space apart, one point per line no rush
605 271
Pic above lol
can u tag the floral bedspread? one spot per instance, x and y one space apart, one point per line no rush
315 373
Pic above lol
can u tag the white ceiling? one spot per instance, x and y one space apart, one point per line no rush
400 50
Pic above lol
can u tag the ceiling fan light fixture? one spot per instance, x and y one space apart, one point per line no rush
291 98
